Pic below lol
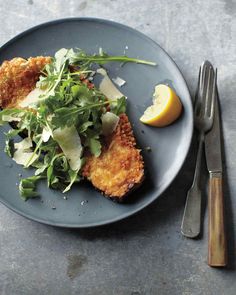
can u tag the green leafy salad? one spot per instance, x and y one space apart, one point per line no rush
62 119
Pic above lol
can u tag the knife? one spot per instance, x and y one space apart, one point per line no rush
217 255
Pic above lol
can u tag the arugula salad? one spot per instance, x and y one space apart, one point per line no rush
62 119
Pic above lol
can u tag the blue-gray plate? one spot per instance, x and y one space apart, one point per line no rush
83 205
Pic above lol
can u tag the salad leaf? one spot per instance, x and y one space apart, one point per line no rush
119 106
27 187
95 146
85 60
9 147
73 177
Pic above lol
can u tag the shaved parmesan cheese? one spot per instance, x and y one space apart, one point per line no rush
23 152
46 135
25 144
119 81
70 143
32 98
107 87
109 123
8 118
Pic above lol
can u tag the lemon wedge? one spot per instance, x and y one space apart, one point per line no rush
166 107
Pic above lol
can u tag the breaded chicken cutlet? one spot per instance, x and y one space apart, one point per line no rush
18 78
118 170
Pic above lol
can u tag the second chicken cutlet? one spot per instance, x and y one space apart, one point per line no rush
118 170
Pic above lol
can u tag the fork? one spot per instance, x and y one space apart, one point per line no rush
203 117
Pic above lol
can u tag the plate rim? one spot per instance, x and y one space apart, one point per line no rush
188 141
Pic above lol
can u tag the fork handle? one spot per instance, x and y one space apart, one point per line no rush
191 223
217 253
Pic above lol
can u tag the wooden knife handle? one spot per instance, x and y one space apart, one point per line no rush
217 252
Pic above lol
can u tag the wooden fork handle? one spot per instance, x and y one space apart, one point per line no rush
217 253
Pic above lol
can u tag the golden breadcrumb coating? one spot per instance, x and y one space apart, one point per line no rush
18 78
120 166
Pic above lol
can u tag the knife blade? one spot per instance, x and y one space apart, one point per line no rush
213 144
217 255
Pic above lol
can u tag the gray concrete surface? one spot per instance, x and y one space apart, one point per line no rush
145 254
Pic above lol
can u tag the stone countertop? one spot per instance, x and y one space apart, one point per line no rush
145 254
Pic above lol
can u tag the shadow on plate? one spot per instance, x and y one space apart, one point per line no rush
159 212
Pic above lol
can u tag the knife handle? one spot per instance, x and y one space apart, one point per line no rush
217 253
